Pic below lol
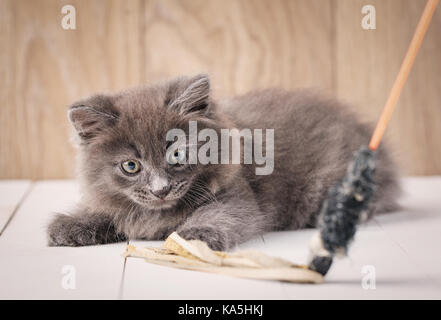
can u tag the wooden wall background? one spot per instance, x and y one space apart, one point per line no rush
244 44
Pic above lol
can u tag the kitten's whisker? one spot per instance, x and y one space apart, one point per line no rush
201 186
193 199
201 194
106 237
211 194
186 202
132 214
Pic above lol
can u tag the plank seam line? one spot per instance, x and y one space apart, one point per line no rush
18 206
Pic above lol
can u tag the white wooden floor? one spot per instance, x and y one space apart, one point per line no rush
403 248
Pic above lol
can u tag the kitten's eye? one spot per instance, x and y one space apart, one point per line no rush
178 156
131 166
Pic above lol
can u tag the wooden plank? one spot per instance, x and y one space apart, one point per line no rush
12 193
243 44
400 246
148 281
31 270
45 199
402 256
415 230
46 68
367 62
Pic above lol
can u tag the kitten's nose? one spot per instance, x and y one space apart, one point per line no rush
161 193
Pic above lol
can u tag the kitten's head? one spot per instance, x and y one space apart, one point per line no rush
124 160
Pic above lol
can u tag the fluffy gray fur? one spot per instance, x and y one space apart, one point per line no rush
223 205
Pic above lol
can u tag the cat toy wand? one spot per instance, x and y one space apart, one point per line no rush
348 201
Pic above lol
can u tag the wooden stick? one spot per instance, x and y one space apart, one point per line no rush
394 94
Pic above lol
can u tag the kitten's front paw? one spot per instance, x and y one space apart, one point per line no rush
215 239
68 231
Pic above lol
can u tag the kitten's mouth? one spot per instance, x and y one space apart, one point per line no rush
156 203
146 199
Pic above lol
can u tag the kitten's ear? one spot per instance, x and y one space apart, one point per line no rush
195 97
89 117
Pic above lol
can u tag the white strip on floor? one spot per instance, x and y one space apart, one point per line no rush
399 250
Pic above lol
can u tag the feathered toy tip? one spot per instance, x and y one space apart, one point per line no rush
347 205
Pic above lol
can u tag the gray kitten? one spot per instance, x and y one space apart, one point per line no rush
130 191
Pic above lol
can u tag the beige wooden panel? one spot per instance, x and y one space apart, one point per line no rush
244 44
367 64
44 68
